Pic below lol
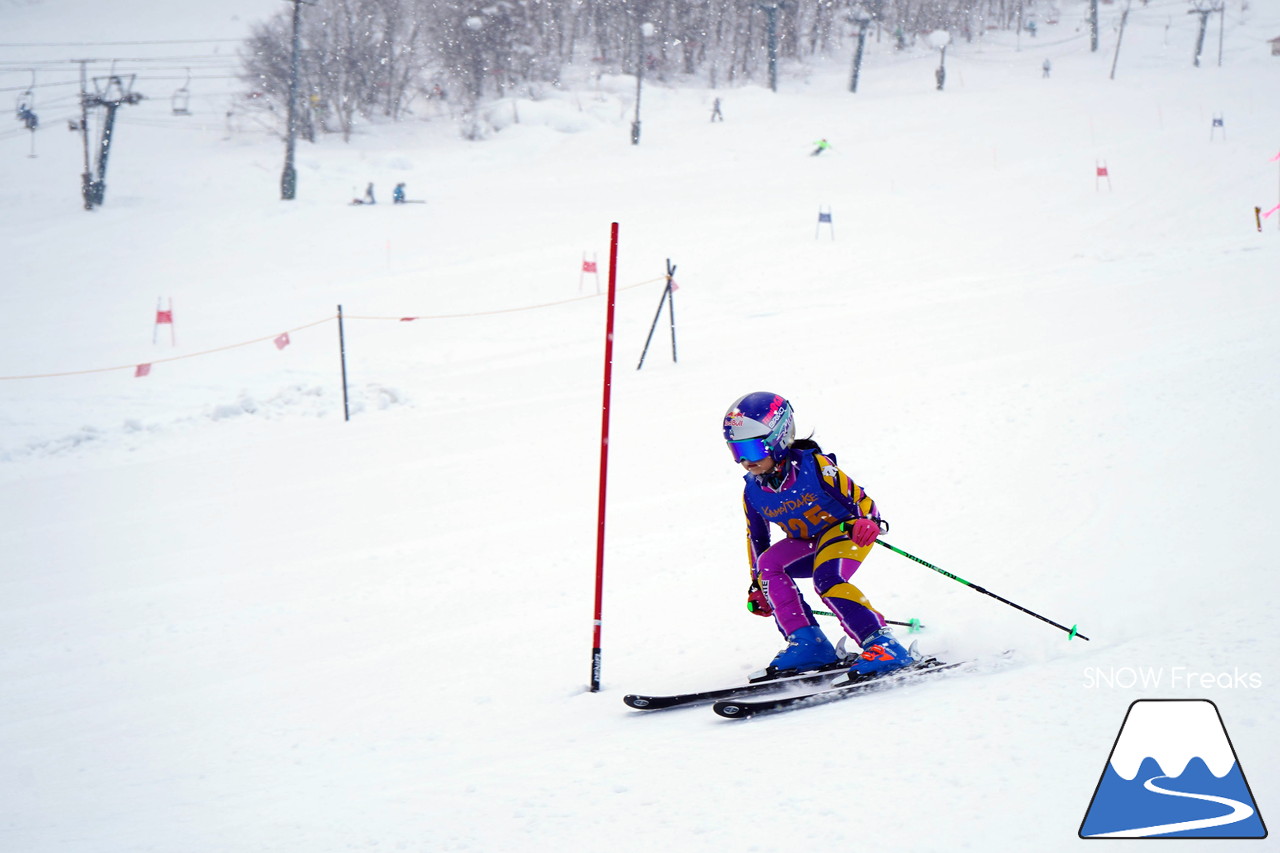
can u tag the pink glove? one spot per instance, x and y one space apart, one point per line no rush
864 531
756 602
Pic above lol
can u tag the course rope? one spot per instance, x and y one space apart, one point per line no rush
405 318
134 366
329 319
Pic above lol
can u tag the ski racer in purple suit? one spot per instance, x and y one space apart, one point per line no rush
830 525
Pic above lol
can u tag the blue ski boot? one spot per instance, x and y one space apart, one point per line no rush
881 654
807 648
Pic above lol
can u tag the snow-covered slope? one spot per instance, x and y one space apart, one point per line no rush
231 620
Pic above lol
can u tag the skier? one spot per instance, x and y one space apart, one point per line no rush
716 115
830 525
397 195
368 194
1046 67
822 145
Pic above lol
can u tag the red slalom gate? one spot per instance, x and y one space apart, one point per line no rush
604 458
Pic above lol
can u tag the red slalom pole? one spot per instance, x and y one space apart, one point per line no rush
604 456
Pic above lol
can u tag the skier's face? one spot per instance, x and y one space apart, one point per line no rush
760 467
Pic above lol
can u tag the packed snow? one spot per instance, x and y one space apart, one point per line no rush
232 619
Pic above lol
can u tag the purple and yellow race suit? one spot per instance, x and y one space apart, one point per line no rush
809 503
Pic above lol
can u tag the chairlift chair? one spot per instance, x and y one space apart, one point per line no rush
182 98
25 106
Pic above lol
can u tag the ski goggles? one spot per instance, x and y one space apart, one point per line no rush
749 449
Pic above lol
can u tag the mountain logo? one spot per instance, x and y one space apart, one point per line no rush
1172 773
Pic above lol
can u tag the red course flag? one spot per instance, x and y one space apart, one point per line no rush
282 341
142 370
164 317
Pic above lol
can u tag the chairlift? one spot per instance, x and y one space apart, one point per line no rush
26 111
182 98
25 107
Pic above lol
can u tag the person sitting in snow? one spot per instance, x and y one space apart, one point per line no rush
830 525
368 196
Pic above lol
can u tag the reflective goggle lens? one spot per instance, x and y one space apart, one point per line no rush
749 449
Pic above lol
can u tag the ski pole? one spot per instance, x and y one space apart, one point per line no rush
1072 632
915 626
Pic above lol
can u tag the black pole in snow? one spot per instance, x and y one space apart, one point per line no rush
666 295
671 307
342 353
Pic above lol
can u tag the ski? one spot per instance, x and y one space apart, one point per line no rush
647 702
738 709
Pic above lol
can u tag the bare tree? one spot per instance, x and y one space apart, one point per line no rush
363 59
358 58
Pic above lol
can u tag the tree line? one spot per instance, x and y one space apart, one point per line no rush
360 59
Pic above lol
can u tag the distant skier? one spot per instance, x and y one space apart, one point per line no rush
716 115
1046 67
397 195
822 145
830 525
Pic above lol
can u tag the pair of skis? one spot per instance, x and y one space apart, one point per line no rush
789 692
